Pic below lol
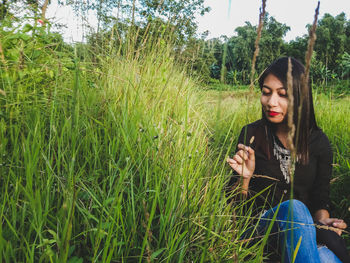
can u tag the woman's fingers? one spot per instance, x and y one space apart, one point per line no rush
251 154
339 224
336 223
243 162
231 161
238 158
234 165
248 151
242 154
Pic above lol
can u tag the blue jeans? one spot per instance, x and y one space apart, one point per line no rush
293 223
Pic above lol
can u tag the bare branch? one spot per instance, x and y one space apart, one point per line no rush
256 52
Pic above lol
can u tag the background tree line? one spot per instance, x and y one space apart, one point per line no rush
131 24
228 59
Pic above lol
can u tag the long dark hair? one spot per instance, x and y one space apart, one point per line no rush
306 118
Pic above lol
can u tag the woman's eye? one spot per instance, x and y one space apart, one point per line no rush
283 94
265 92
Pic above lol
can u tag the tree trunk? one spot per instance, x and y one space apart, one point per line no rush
43 10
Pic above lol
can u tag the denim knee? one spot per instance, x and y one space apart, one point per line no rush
296 208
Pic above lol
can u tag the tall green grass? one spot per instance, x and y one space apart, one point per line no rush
114 162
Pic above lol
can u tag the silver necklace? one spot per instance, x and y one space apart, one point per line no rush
284 158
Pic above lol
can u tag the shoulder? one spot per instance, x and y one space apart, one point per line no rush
254 125
251 129
319 142
318 136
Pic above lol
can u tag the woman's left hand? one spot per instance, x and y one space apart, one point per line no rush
338 224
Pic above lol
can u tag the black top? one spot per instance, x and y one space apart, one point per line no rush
311 181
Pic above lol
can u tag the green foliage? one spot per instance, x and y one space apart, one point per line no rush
345 64
109 160
296 48
233 55
180 14
31 57
197 54
331 40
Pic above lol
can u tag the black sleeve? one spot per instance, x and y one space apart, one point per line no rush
243 136
320 194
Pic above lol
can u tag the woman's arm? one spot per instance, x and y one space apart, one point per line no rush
321 214
243 162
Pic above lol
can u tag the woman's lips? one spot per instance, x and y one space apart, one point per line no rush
272 113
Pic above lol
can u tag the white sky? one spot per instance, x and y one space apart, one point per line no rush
295 13
74 25
221 20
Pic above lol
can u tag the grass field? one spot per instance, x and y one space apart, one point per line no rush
125 162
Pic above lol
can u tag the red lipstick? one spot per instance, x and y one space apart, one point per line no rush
272 113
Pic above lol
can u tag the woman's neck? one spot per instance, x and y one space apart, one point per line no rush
282 134
282 129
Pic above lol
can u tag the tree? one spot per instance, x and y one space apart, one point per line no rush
271 42
181 13
37 7
240 48
331 40
296 48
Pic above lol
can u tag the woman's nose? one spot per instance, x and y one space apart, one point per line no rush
273 101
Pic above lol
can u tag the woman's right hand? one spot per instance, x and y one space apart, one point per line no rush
244 161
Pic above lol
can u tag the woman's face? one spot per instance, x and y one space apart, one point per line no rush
274 99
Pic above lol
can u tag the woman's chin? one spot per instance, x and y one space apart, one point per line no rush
276 119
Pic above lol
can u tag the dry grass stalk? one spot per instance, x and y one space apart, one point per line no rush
331 228
43 10
265 176
257 40
148 231
291 125
311 43
2 57
3 61
308 56
304 94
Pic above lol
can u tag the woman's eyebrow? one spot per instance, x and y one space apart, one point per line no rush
267 87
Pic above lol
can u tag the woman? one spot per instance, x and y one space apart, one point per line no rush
264 150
